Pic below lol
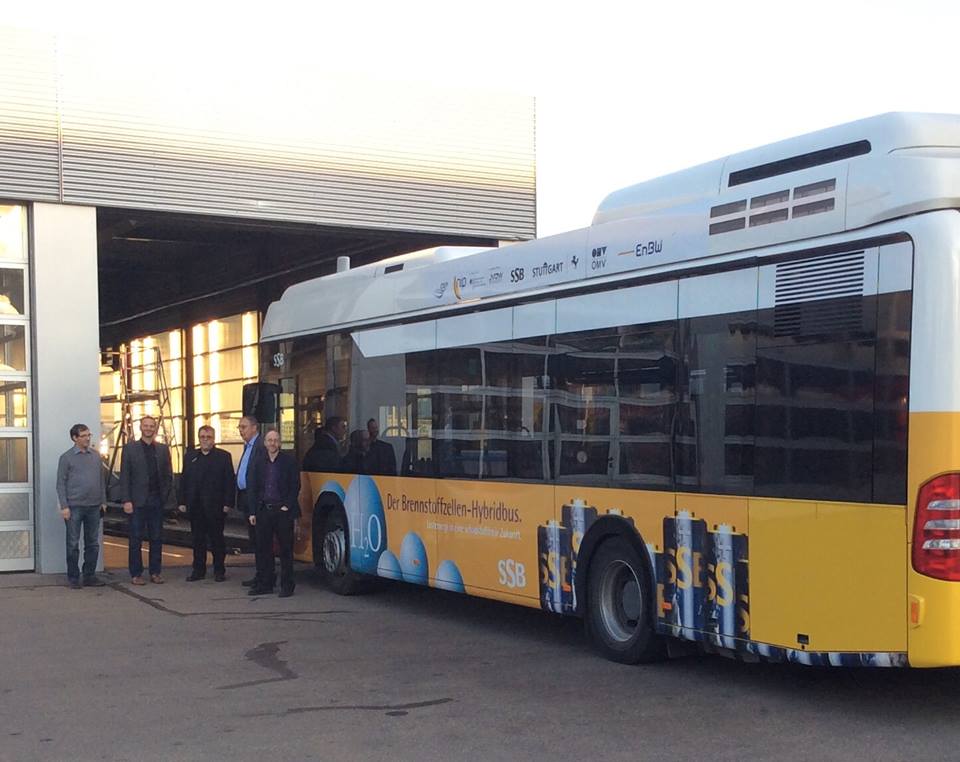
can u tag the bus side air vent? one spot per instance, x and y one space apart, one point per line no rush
779 206
820 295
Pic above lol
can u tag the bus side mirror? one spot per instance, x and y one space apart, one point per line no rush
261 400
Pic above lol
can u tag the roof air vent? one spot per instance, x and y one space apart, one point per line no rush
796 163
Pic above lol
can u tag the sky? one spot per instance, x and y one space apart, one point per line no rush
625 91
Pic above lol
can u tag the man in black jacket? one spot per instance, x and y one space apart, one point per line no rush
273 484
381 459
324 456
207 489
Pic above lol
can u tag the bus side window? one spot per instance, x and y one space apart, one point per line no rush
715 422
815 401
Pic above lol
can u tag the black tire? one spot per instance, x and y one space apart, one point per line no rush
620 605
316 538
333 559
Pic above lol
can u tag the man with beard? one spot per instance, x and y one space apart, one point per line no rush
274 487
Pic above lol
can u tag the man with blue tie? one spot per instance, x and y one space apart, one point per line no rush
253 449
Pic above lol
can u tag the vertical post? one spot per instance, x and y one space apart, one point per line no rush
66 346
189 430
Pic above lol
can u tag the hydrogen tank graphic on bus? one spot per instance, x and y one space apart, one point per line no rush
366 523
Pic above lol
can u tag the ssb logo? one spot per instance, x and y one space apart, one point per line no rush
511 573
516 275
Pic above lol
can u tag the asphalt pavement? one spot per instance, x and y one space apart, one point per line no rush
186 671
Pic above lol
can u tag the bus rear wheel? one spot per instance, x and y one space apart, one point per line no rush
619 616
334 553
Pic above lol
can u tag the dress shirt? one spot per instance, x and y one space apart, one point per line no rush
245 462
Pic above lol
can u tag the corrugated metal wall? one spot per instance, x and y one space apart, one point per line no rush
29 143
82 125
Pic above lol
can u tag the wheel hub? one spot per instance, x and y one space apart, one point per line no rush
334 550
621 602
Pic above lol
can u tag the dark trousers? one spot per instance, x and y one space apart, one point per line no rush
206 526
271 521
251 530
146 519
87 517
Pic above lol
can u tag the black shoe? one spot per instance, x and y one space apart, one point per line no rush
74 584
252 582
194 577
93 582
286 592
257 590
219 577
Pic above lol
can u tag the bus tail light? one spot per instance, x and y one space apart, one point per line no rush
936 529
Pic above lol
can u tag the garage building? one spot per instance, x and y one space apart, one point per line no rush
147 220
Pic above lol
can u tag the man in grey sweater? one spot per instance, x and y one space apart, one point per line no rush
82 496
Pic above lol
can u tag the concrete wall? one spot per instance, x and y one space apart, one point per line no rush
66 345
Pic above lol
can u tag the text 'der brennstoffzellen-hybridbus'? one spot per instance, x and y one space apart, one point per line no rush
727 412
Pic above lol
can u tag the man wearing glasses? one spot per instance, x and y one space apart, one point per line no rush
207 490
253 449
82 497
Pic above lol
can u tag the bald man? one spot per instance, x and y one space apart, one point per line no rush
273 483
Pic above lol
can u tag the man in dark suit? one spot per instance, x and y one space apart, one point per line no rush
381 459
324 455
253 450
207 490
274 487
146 476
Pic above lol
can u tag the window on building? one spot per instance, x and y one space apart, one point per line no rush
225 356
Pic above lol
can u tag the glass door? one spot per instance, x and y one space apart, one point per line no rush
16 420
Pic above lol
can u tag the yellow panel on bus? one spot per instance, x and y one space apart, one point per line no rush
933 609
489 531
827 576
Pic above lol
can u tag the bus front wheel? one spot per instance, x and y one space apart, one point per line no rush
619 616
334 552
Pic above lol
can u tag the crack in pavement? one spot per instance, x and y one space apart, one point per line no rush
152 602
157 603
312 617
388 708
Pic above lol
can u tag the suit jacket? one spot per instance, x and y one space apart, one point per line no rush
218 492
289 483
381 459
134 478
324 455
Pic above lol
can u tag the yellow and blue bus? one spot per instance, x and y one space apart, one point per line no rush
726 412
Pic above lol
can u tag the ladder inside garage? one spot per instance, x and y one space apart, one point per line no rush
142 384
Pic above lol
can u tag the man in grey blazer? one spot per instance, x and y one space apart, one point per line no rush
146 476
